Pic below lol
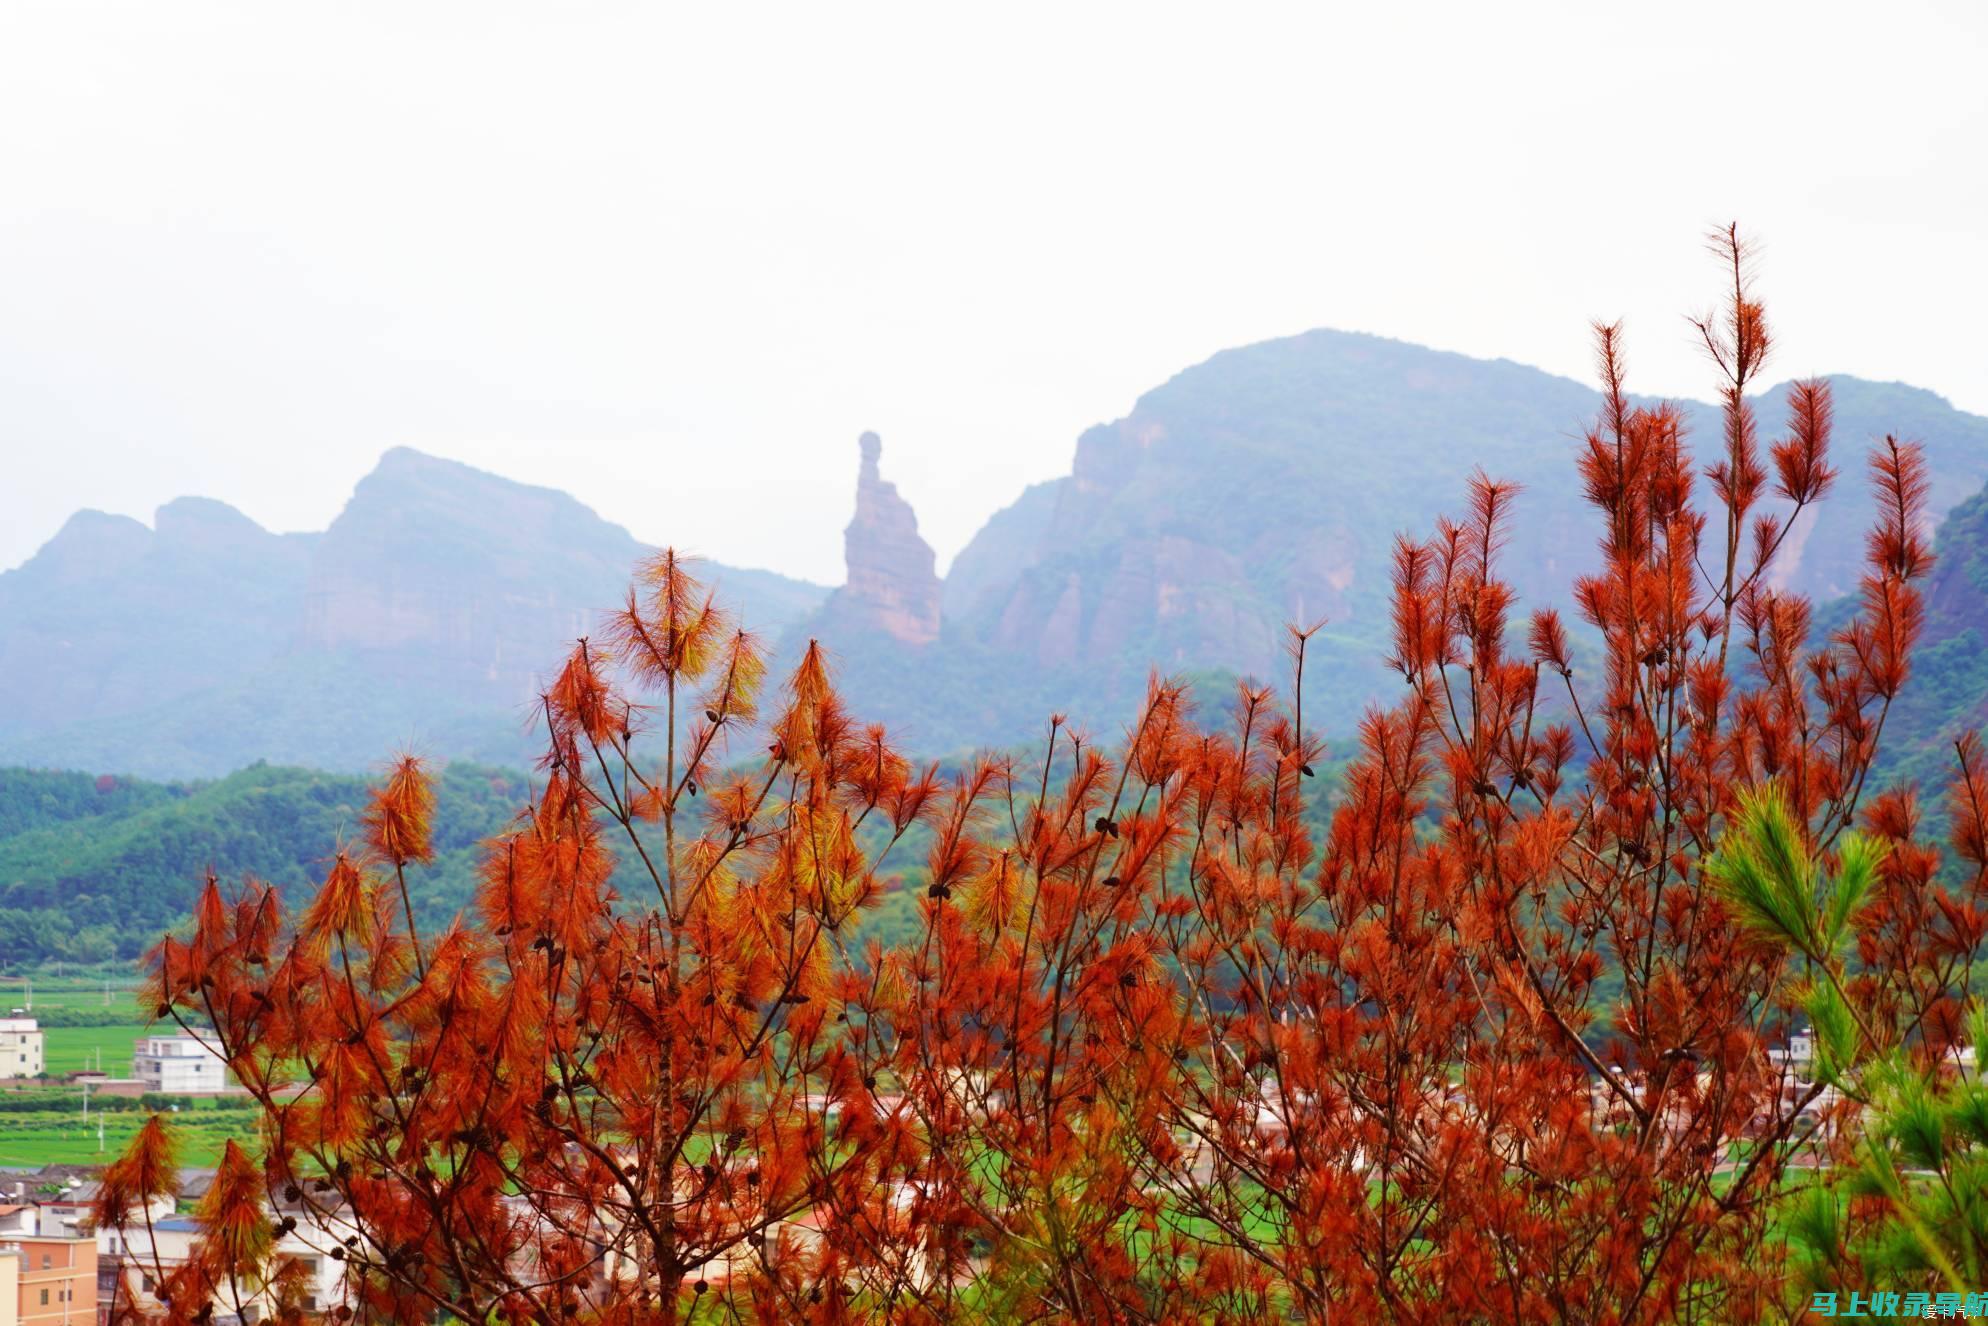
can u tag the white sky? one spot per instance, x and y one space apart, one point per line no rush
675 258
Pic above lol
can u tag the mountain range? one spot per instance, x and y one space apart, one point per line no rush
1266 487
1262 487
424 616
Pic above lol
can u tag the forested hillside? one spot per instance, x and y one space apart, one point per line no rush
1947 697
96 868
93 869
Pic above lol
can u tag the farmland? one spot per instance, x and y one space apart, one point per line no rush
46 1123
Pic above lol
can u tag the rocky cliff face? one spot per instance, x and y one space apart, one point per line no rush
1827 547
893 585
1265 488
440 569
1267 485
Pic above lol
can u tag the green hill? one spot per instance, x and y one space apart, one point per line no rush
96 869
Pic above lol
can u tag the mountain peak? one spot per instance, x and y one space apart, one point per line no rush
892 582
410 458
91 524
90 543
203 518
401 465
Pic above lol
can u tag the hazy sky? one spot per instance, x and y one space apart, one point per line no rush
675 258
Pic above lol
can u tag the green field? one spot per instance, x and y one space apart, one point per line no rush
59 1134
107 1049
78 994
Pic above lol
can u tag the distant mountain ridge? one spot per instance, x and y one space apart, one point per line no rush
424 615
1263 486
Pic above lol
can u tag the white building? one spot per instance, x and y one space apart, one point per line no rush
20 1047
182 1065
130 1260
18 1220
69 1214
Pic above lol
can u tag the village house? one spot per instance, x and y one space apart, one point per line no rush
20 1047
179 1065
69 1214
54 1280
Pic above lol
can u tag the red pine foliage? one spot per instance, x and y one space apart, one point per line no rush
1172 1043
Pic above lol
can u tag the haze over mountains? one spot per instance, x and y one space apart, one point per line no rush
423 616
1261 487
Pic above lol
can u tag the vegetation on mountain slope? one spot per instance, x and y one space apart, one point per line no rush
95 869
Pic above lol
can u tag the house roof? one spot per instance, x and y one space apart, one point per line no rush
67 1172
80 1195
